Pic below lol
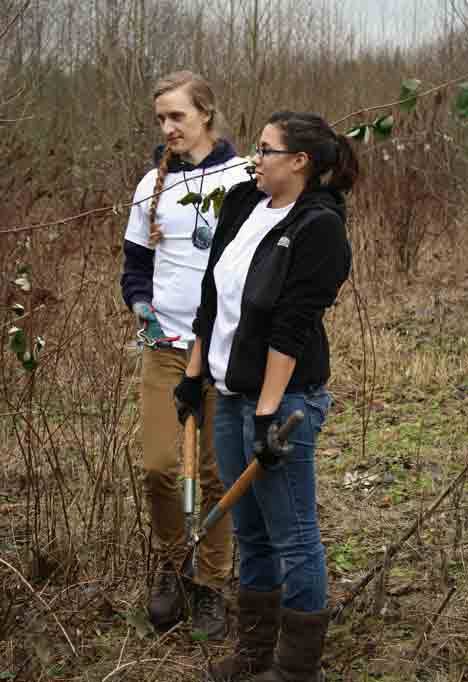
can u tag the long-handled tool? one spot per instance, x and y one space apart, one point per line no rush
235 492
190 477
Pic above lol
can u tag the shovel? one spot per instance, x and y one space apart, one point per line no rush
229 499
190 473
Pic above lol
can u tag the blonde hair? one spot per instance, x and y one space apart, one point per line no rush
204 100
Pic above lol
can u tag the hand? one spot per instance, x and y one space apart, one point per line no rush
156 235
154 335
269 449
144 312
188 398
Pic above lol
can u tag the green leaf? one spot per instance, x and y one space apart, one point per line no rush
198 636
56 670
461 102
29 361
360 132
23 282
206 203
17 341
7 676
408 93
383 126
191 198
218 197
38 346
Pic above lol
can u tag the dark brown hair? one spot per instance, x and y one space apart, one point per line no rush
327 151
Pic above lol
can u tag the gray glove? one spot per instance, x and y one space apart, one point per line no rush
269 449
154 334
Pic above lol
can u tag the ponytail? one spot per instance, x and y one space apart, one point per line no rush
333 162
346 169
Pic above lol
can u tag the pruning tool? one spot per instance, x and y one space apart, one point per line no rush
152 336
235 492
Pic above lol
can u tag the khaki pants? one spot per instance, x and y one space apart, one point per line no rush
162 439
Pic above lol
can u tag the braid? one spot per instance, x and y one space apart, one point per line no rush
159 184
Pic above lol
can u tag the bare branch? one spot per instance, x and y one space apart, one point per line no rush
43 602
15 19
377 107
106 209
393 549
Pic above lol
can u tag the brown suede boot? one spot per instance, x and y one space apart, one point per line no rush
257 634
167 602
299 650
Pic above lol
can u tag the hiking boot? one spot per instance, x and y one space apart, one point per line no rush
258 626
209 613
167 603
300 646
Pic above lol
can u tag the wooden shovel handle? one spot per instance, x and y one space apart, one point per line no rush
190 448
253 471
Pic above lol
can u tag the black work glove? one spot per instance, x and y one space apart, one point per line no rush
188 397
269 449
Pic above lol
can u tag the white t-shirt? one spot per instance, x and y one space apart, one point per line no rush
179 266
230 274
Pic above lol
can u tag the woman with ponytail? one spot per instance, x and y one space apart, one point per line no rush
166 252
278 260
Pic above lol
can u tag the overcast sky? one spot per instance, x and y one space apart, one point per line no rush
405 22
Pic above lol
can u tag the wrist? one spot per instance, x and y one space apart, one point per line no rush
139 307
264 418
192 378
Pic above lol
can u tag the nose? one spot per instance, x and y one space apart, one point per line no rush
167 127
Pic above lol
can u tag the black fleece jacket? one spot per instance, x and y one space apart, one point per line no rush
296 272
137 277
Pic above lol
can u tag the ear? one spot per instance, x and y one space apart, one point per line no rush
208 118
302 161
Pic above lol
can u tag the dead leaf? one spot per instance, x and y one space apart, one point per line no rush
139 620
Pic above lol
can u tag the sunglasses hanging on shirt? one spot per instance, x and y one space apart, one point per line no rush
202 234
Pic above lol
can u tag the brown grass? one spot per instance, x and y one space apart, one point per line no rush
76 561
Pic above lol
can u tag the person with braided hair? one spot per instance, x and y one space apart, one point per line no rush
166 249
279 257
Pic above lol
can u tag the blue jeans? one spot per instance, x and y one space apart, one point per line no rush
275 521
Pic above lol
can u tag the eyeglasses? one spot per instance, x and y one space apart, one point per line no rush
266 151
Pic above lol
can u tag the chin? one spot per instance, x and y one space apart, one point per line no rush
261 185
178 147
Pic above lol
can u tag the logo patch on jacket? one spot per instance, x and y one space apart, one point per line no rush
284 241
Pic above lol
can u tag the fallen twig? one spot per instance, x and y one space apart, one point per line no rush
143 661
43 602
393 549
431 623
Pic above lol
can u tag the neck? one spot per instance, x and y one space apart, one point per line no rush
288 195
200 152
